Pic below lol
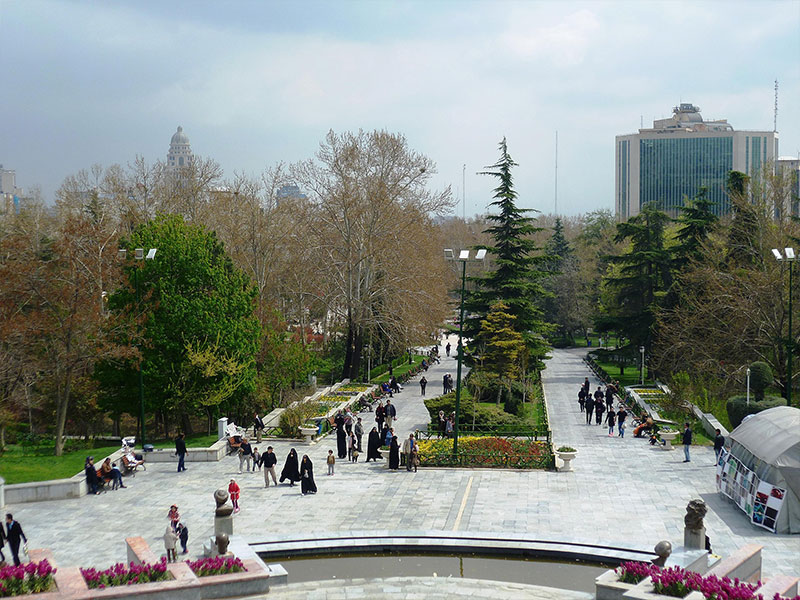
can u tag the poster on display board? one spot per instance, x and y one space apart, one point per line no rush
767 505
760 500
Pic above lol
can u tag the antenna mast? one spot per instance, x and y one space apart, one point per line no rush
775 114
556 189
464 192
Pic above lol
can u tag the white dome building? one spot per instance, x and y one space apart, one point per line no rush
180 153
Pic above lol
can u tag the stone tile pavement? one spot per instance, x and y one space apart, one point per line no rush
622 492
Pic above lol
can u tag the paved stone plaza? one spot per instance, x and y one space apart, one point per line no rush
622 492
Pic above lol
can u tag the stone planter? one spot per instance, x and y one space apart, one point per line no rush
308 433
644 591
608 587
566 457
668 438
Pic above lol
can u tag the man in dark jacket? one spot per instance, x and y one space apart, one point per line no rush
13 534
719 444
268 461
687 441
180 450
2 543
92 480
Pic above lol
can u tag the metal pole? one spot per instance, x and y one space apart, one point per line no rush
748 386
460 353
790 343
641 369
141 360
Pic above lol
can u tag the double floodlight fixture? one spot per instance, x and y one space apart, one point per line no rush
788 254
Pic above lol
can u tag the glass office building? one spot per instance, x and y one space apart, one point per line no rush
682 154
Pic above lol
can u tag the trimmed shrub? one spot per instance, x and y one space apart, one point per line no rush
485 415
295 416
760 378
738 409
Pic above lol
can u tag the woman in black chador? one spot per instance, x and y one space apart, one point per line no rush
373 445
341 440
290 471
307 485
394 454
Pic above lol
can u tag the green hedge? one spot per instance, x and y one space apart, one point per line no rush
738 409
485 415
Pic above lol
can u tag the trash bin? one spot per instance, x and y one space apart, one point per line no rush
147 447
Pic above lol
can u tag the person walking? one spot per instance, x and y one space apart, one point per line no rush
422 383
331 462
174 516
442 425
352 447
180 450
687 441
291 470
256 460
307 485
611 418
348 422
719 444
380 414
415 457
447 348
13 535
374 445
183 536
359 431
599 409
589 409
245 454
391 413
341 436
622 414
268 461
394 454
2 543
582 397
258 427
234 490
408 449
170 538
610 396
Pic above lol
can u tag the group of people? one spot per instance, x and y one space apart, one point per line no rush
107 473
602 401
350 430
447 383
175 531
447 424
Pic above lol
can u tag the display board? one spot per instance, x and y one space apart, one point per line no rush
760 500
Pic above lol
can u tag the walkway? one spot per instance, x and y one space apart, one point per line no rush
622 492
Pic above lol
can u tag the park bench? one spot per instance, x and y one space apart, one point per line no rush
129 466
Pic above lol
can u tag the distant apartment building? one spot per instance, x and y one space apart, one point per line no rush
289 191
10 194
679 155
789 166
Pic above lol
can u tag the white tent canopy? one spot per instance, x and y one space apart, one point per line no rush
768 443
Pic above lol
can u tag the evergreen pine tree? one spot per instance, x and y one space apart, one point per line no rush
643 274
517 277
695 222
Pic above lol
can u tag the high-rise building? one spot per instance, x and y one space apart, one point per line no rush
679 155
180 153
9 192
789 167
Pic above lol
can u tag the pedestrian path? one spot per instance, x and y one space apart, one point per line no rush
622 492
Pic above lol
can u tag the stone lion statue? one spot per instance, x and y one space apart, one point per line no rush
695 511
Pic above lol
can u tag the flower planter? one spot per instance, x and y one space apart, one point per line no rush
668 438
609 587
566 457
308 433
644 591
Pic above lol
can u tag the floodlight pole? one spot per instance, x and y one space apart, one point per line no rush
789 255
641 369
140 255
748 386
460 358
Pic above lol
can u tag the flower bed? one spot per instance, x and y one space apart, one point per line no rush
485 452
119 574
217 565
677 582
354 387
30 578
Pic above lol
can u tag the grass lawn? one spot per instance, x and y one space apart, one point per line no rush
399 370
192 441
41 465
530 414
630 377
608 341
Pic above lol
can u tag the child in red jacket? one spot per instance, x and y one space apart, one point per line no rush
233 490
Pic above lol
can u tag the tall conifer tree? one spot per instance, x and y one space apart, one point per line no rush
516 279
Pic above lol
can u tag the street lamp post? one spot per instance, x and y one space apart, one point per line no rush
641 368
463 257
748 386
789 257
140 255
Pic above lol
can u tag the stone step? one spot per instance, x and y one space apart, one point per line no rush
785 585
744 564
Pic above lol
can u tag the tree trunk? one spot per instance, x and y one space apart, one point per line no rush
61 412
186 424
115 426
499 393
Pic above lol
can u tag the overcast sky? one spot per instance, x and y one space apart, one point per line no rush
253 83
